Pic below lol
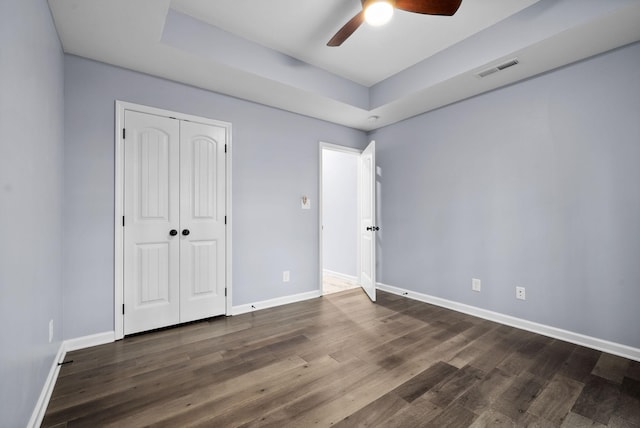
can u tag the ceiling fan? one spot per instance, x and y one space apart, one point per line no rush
378 12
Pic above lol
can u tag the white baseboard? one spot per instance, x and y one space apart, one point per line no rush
340 275
250 307
45 395
66 346
545 330
89 341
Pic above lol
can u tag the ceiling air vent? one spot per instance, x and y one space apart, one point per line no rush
496 68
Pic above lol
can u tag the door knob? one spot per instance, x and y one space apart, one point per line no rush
173 232
185 232
373 228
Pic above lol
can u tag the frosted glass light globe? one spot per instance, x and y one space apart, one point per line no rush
378 13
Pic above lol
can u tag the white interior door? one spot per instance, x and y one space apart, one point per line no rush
367 182
151 211
175 224
202 216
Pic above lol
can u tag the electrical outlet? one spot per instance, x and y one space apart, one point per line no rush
50 331
286 276
520 293
475 284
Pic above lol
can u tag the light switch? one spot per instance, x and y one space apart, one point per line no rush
305 203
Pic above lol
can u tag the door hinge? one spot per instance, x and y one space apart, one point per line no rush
122 221
225 219
124 133
123 309
225 148
225 291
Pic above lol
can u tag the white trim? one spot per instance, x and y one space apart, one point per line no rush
545 330
118 229
279 301
66 346
118 281
45 395
228 239
343 149
338 148
89 341
344 276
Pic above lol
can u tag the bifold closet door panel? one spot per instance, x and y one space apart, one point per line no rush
151 212
202 218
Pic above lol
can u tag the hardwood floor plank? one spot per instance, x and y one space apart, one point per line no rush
557 399
531 421
375 413
580 363
479 397
517 398
524 356
628 409
453 416
633 371
424 381
343 360
115 407
493 419
469 353
499 349
574 420
597 400
413 415
445 392
618 422
304 405
550 359
357 395
631 387
611 367
237 405
213 398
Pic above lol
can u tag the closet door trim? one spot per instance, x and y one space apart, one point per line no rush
120 108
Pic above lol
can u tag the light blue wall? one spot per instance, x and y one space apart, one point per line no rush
31 141
340 212
537 185
275 162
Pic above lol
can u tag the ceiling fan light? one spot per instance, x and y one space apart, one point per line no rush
378 13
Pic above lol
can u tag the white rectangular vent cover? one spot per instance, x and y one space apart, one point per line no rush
499 67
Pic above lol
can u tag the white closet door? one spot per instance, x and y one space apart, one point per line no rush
202 221
151 211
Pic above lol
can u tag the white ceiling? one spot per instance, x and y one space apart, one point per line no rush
274 52
301 29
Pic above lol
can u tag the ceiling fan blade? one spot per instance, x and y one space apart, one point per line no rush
347 30
429 7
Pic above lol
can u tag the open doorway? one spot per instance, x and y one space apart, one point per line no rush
339 218
337 180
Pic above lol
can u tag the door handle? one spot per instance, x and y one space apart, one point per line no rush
173 232
185 232
373 228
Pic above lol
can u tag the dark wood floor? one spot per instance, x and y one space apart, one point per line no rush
342 361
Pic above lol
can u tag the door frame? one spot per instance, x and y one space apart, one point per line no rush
341 149
118 238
